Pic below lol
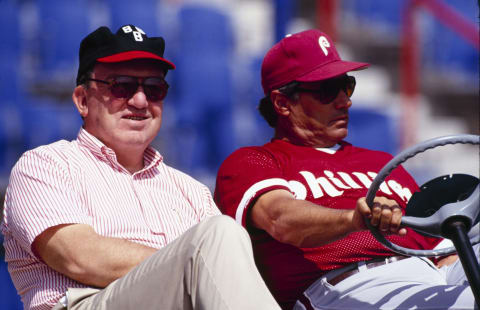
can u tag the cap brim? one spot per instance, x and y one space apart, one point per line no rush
130 55
331 70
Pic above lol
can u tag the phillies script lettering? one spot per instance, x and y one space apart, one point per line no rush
333 185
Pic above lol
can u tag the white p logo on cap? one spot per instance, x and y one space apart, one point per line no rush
323 42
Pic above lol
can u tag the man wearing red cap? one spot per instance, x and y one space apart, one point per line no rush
101 222
301 196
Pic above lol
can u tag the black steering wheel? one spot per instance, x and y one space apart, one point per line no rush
432 225
448 207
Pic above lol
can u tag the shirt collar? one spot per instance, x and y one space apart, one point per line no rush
151 157
329 150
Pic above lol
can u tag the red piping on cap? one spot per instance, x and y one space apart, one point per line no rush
124 56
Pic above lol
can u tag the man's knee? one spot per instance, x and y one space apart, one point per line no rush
225 227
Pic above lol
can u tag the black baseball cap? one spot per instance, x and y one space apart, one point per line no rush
129 42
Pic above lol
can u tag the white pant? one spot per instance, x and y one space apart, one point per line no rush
210 266
413 283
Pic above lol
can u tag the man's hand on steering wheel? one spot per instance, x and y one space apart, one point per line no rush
385 214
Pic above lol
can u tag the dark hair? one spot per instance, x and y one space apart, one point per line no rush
267 111
83 79
265 106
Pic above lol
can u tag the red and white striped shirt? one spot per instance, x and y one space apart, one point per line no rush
82 182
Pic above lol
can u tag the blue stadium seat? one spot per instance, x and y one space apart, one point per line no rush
443 50
203 77
31 124
45 122
10 79
284 12
372 129
259 132
62 25
9 299
446 51
10 86
385 13
205 29
10 22
11 138
10 52
139 13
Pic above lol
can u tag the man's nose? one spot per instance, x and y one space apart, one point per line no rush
139 99
343 101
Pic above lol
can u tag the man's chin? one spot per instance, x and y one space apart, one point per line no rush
134 138
339 134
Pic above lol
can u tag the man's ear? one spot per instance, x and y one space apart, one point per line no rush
79 97
281 103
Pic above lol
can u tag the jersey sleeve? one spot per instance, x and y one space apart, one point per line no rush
243 177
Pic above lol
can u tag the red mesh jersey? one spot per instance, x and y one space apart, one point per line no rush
331 178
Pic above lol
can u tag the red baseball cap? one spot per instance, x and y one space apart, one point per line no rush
307 56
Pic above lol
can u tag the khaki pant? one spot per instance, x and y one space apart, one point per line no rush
210 267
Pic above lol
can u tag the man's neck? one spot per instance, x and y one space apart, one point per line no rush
131 159
304 139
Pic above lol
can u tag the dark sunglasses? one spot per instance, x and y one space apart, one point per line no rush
124 87
327 91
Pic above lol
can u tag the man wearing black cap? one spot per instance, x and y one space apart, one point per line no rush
301 196
101 222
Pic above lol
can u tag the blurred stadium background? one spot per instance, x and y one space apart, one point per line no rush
423 82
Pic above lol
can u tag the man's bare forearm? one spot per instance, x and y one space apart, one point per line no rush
83 255
299 222
305 224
